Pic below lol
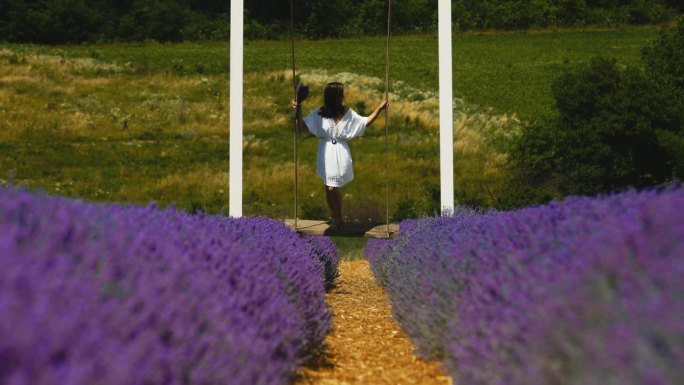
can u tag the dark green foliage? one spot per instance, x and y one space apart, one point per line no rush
313 209
523 14
664 61
154 19
73 21
49 21
605 137
673 145
324 18
405 209
615 128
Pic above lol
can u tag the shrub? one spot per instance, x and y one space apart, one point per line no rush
614 128
664 61
606 130
62 21
584 291
112 294
419 300
604 136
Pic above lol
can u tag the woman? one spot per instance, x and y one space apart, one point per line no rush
335 123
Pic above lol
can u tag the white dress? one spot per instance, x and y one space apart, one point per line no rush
334 161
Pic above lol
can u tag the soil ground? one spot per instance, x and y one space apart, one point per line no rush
366 346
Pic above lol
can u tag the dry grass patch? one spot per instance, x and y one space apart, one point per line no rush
48 97
205 180
87 97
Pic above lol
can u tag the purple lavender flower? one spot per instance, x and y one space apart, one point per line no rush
584 291
113 294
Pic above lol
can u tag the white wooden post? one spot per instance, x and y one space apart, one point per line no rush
446 113
236 71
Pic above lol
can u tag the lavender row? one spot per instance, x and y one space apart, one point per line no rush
584 291
109 294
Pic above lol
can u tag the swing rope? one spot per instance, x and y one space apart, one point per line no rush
294 90
387 74
387 117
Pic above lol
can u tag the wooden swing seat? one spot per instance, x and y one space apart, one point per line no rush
352 230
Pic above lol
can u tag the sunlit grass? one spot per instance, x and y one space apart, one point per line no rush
83 128
350 249
149 122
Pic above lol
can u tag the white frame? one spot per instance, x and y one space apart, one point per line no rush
236 81
446 115
446 108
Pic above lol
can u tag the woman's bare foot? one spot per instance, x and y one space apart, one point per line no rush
336 225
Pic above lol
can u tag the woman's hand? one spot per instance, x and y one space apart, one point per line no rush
383 105
301 126
297 113
371 118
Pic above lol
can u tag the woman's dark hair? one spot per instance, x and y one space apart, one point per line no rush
332 99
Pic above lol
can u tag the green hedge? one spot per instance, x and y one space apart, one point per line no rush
74 21
614 128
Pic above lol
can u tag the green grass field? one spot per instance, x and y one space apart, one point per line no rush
509 72
149 122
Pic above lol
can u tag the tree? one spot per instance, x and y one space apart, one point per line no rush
49 21
154 19
664 62
603 137
614 128
607 123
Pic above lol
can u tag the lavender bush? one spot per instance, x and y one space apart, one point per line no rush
108 294
584 291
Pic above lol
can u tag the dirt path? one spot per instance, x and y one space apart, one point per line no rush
367 345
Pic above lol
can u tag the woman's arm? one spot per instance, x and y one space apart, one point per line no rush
301 125
371 118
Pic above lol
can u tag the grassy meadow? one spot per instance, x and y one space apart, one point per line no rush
149 122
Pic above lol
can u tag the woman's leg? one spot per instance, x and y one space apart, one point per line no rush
338 206
334 198
331 202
